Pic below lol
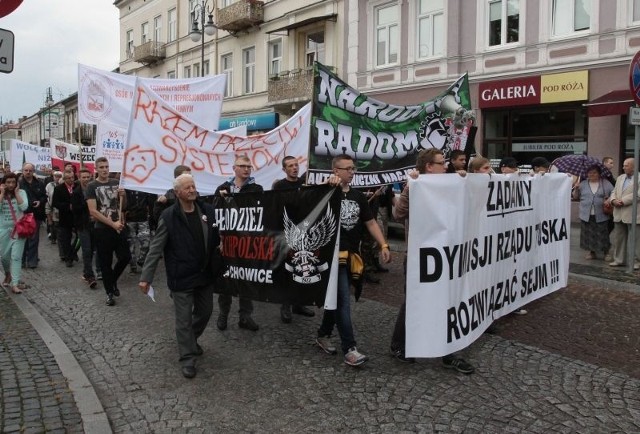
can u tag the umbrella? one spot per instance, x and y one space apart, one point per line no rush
578 164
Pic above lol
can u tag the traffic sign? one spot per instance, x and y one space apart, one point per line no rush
6 51
8 6
634 78
634 115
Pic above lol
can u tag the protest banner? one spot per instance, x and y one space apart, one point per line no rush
382 138
22 152
280 246
480 247
159 138
107 96
110 142
65 153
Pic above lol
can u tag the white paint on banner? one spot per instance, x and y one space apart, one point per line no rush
479 248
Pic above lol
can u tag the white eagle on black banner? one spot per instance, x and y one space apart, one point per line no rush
305 240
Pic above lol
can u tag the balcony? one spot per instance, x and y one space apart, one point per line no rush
290 89
149 52
241 15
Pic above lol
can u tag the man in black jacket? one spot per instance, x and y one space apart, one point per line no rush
62 202
37 197
187 237
84 226
242 182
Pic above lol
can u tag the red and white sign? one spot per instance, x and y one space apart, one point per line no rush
8 6
520 91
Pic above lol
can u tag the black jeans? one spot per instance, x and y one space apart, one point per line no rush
108 242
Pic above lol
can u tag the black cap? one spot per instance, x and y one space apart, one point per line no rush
509 162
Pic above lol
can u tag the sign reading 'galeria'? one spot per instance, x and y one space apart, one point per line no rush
491 245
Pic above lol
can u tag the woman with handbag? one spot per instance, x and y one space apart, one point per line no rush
594 232
13 203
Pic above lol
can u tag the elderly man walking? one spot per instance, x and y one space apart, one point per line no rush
187 237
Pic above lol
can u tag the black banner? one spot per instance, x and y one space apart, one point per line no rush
278 246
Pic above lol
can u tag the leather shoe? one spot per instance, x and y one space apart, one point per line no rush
371 279
199 350
303 310
189 371
222 321
285 313
248 323
116 291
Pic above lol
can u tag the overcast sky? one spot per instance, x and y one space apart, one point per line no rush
51 38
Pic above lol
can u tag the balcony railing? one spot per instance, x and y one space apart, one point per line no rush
241 15
291 86
149 52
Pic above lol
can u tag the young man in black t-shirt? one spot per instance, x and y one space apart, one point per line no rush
291 181
103 201
355 216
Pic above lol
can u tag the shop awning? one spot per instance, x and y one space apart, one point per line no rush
614 103
293 26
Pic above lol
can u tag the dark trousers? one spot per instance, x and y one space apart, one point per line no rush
87 244
108 242
64 243
246 305
193 308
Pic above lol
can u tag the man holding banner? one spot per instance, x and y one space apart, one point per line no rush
355 216
241 182
430 161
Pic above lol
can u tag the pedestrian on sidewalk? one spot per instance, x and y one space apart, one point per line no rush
37 199
622 199
13 204
594 223
188 238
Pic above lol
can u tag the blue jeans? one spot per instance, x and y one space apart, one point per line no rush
342 315
31 248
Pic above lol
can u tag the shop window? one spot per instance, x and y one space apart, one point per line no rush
504 22
570 16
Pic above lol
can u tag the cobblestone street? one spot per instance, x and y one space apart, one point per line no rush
570 365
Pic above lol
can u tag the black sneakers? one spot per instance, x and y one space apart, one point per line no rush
399 354
457 363
110 300
248 323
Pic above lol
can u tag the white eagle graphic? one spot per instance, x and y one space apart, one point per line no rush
304 239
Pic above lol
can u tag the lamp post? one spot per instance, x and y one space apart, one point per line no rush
197 32
49 102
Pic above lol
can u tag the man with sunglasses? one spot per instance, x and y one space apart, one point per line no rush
241 182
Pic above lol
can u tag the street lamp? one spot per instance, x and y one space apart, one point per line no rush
49 102
197 33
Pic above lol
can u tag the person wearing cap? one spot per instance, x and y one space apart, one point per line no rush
50 211
508 165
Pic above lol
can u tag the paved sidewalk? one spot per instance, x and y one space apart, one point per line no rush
277 380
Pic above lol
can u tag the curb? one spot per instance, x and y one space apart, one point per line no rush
94 418
606 283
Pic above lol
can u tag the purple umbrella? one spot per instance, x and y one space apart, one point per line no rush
579 164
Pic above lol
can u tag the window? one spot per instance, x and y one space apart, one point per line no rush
226 3
196 70
248 70
145 32
504 22
315 48
386 35
193 17
430 28
157 29
205 68
635 13
129 47
571 16
226 63
173 28
171 74
275 57
187 72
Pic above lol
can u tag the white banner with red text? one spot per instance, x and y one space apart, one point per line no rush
159 138
107 96
479 248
